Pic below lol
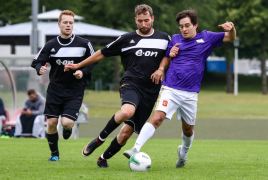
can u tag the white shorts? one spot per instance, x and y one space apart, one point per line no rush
184 102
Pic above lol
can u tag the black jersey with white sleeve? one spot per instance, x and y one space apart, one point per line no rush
140 56
58 52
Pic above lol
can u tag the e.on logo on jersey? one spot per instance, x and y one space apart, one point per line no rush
165 103
146 53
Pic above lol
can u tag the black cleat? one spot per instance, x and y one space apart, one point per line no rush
90 147
102 163
66 133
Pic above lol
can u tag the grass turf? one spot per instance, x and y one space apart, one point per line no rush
208 159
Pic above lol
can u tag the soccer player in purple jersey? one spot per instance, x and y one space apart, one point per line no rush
189 51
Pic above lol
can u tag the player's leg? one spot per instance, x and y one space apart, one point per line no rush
52 138
187 114
165 108
130 100
52 111
72 103
67 125
118 142
146 133
126 112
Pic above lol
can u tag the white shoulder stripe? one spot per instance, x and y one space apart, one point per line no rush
70 52
36 57
91 48
113 42
149 43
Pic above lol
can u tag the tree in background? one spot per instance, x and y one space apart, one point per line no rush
250 19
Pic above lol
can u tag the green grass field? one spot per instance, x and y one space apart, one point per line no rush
208 159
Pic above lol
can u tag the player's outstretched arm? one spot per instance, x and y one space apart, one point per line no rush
230 32
96 57
159 73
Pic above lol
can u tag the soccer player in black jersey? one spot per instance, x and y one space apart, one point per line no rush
141 52
66 90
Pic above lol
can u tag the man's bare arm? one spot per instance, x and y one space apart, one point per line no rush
96 57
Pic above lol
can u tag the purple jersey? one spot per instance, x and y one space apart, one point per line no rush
186 69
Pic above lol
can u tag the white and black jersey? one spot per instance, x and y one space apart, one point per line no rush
141 56
59 52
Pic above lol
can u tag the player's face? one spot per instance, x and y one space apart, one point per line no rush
188 30
144 23
66 25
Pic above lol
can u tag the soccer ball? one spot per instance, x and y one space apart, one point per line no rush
140 162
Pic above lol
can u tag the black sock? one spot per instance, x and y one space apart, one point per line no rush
112 149
111 125
53 143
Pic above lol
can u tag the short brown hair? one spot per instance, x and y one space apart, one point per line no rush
191 13
65 12
143 9
31 91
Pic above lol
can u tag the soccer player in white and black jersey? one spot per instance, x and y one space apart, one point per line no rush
66 90
141 52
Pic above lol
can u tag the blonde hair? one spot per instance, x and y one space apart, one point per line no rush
66 12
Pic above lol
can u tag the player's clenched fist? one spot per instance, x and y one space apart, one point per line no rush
70 66
174 51
43 69
78 74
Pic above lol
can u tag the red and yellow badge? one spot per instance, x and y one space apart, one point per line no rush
165 103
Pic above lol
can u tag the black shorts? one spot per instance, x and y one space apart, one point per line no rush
63 102
143 105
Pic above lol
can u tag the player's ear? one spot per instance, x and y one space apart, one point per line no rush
196 26
59 24
152 18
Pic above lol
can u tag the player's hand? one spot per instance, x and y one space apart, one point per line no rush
78 74
43 69
70 66
174 51
226 26
157 76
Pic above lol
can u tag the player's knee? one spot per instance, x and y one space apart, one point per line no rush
67 125
188 132
52 124
126 115
156 121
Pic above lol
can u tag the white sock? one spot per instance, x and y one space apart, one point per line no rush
186 144
102 156
146 133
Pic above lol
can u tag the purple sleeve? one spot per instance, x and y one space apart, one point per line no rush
170 45
216 38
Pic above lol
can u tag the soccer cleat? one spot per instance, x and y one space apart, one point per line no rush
54 158
102 163
90 147
130 152
180 162
66 133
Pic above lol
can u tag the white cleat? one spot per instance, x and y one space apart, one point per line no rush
130 152
180 162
